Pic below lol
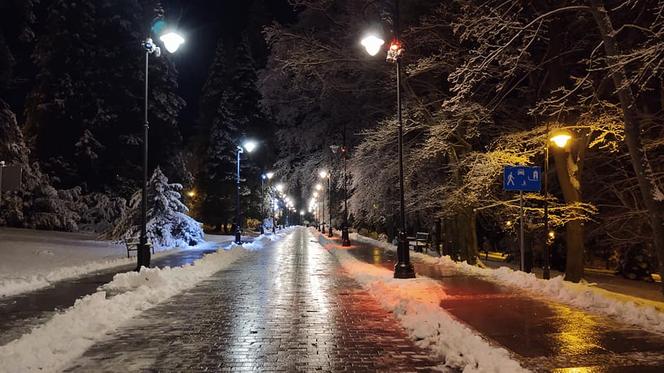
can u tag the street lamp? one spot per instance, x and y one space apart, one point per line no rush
327 175
249 146
560 139
171 41
403 268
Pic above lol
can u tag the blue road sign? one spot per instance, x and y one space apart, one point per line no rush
522 178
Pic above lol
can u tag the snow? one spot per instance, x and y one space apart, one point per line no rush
32 259
51 346
416 304
630 310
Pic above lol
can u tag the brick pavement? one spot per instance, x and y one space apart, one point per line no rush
290 307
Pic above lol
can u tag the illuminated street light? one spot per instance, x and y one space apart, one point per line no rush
372 44
170 40
249 146
560 138
403 268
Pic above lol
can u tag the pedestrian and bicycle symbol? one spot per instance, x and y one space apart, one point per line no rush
522 178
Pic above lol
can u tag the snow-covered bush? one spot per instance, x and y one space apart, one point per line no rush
101 212
168 223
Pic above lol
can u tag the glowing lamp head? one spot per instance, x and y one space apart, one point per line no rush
172 41
315 194
561 139
552 234
191 193
319 187
323 174
301 212
280 188
269 175
249 145
372 44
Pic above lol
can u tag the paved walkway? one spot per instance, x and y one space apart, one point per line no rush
543 335
289 307
22 312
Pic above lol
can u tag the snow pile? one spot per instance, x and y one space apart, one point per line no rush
51 346
416 304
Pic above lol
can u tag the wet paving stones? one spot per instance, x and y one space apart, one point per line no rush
287 308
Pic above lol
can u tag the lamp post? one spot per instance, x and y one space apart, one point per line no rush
403 268
280 188
172 42
560 139
328 175
249 146
319 188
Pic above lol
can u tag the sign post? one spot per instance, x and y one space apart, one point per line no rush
522 179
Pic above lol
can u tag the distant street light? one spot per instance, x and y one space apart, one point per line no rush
560 139
169 40
403 268
249 146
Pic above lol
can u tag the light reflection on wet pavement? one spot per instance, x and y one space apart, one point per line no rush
22 312
543 335
289 307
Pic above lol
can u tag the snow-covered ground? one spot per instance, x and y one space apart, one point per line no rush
51 346
622 307
32 259
416 304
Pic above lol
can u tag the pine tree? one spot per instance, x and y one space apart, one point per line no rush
229 111
168 224
86 107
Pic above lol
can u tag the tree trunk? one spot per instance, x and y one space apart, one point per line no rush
466 235
570 184
637 155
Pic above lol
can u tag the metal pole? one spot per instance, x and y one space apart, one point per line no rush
2 168
274 215
329 191
403 268
238 229
143 252
262 203
322 197
521 243
345 237
546 266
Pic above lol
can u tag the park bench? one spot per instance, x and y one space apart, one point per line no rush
421 240
133 246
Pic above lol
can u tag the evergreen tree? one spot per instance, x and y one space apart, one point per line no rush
86 107
229 112
168 224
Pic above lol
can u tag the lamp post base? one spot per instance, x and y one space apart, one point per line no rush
345 237
238 237
403 268
142 256
262 229
330 233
